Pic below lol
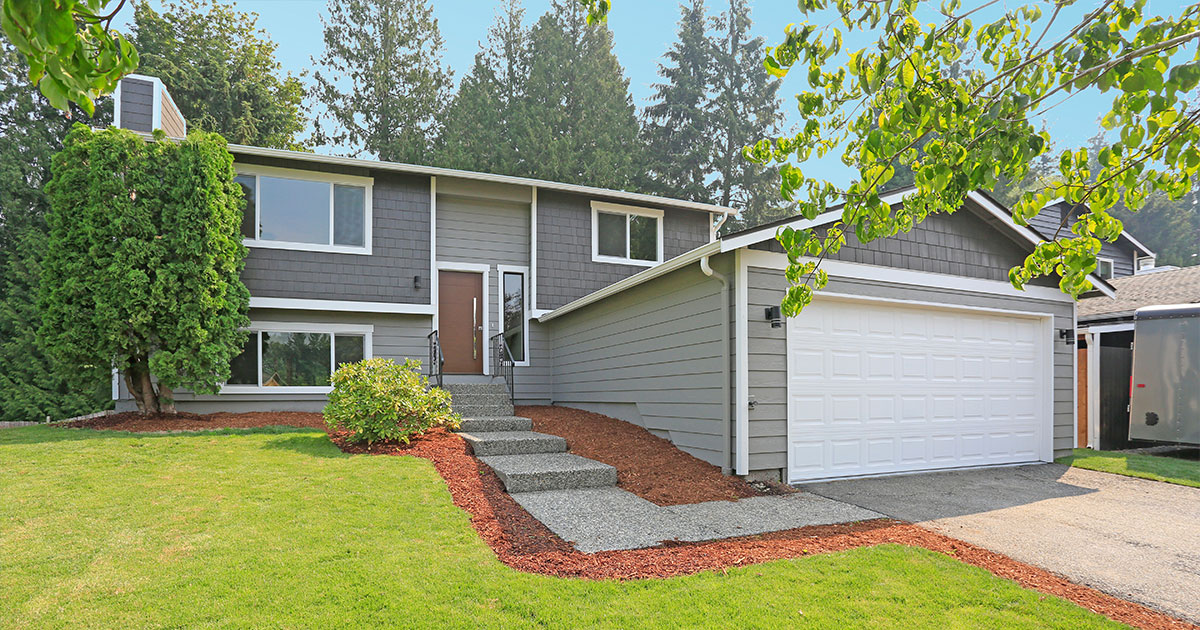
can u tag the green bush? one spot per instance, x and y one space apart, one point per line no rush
377 400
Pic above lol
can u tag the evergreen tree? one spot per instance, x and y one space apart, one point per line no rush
486 117
222 72
745 109
382 81
676 127
31 130
582 126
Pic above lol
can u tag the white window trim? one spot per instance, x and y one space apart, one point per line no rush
485 271
1112 269
524 271
617 208
366 330
311 176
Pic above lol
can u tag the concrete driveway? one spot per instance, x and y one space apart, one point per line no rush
1132 538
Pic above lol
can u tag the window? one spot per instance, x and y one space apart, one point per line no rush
626 234
1104 268
298 357
288 209
514 319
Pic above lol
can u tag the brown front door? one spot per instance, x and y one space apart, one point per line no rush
460 321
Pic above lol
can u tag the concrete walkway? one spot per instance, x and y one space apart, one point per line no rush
1132 538
609 519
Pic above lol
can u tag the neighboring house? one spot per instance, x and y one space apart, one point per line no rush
919 355
1106 335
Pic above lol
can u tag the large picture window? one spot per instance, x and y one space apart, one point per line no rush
626 234
288 209
296 357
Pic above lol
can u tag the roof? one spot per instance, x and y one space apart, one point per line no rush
1124 233
435 171
1177 286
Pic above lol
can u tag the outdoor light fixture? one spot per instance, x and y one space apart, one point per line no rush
775 316
1068 335
417 283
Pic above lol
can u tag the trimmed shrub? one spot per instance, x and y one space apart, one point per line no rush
377 400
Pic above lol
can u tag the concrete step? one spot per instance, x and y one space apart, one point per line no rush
481 424
476 389
550 471
483 411
514 443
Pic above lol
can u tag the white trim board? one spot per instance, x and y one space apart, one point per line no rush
1105 328
433 270
894 275
341 306
485 271
742 362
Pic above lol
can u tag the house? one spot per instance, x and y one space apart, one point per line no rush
919 355
1106 334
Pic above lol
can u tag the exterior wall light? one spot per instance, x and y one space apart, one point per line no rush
775 316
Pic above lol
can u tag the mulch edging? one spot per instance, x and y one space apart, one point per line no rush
524 543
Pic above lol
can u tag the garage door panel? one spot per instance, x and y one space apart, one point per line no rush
876 388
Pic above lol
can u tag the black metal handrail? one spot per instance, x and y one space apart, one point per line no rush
436 359
502 363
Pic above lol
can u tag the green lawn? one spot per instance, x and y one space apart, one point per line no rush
279 529
1169 469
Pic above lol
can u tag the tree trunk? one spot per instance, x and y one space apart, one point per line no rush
135 389
137 379
166 400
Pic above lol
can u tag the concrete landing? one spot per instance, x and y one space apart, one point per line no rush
550 471
610 519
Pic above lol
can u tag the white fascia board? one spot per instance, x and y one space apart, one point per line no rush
677 262
487 177
895 275
341 305
1106 328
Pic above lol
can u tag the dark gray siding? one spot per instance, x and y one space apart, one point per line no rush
400 249
137 105
650 355
964 243
564 266
395 337
768 356
1121 252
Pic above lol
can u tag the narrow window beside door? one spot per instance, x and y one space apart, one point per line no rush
514 320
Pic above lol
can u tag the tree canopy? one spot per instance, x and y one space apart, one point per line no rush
222 72
142 263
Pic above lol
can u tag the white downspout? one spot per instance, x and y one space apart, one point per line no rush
726 437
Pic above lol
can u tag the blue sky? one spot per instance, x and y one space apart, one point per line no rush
642 31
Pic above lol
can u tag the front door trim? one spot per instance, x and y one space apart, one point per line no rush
480 268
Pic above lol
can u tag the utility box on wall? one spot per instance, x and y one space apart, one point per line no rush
1165 390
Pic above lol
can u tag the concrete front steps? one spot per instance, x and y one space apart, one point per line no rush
527 461
479 399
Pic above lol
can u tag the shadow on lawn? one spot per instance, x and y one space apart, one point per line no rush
48 434
315 445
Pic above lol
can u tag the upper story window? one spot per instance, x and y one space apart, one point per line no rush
1104 268
626 234
294 209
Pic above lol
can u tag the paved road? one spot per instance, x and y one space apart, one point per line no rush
1133 538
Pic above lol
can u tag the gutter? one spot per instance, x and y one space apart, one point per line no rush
726 436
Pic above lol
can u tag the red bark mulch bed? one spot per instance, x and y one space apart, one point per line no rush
647 465
522 542
138 423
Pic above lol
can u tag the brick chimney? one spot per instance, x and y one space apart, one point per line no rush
142 103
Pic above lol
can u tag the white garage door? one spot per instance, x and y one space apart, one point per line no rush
880 387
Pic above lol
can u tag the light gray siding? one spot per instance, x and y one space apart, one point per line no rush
137 105
397 337
1121 252
652 356
768 356
400 249
565 268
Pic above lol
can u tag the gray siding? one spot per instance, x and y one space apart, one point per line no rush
1121 252
400 249
396 337
565 268
965 243
768 355
652 356
137 105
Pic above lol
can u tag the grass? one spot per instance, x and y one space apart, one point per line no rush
1169 469
279 529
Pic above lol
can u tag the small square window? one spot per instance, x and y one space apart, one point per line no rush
1104 268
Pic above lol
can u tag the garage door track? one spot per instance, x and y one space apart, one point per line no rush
1132 538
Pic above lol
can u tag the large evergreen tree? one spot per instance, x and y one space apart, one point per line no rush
744 110
381 78
486 117
582 126
676 129
31 130
222 72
